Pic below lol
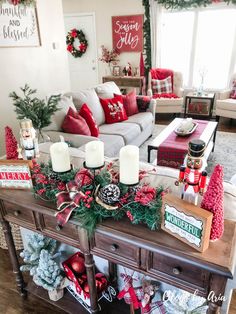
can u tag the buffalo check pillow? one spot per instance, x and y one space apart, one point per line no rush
162 86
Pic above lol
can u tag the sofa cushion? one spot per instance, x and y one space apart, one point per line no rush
75 124
89 97
143 119
114 109
106 90
227 104
64 104
128 131
112 144
86 113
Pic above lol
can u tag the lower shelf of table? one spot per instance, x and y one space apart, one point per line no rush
71 306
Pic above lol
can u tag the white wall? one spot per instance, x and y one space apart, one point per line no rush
43 68
104 10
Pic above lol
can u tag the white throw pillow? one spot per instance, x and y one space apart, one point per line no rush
57 119
107 90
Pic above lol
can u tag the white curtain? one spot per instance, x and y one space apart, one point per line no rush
155 23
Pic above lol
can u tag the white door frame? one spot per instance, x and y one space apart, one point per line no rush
95 34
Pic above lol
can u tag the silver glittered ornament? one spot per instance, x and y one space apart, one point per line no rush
109 194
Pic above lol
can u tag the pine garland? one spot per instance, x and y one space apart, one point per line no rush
141 204
169 5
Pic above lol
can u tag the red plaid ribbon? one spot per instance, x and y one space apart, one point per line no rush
67 201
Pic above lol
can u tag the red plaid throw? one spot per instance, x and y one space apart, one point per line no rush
162 86
172 151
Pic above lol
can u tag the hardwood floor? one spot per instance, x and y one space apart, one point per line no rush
12 303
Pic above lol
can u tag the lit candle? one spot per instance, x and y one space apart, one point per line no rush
129 164
60 157
94 154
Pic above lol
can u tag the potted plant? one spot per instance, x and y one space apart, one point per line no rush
37 110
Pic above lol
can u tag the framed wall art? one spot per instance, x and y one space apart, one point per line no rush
127 33
15 174
18 26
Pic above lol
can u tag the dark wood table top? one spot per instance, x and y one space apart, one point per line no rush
219 257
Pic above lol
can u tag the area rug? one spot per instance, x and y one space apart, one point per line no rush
224 153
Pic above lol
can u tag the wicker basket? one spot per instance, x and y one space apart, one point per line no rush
16 236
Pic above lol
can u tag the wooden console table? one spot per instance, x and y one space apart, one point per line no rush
154 253
126 81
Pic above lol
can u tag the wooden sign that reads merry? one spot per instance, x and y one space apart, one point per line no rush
127 33
15 174
187 222
18 26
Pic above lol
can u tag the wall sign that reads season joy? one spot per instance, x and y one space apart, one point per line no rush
127 33
18 26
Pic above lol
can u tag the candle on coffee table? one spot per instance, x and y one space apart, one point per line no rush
129 165
94 154
60 157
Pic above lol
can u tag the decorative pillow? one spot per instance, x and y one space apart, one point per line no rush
75 124
143 102
114 109
86 113
130 103
162 86
233 92
57 119
107 89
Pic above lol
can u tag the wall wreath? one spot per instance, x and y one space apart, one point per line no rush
78 51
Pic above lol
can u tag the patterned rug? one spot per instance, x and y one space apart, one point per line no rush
224 154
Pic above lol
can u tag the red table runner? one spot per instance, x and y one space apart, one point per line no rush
172 151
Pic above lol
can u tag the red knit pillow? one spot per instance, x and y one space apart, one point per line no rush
86 113
75 124
114 109
130 103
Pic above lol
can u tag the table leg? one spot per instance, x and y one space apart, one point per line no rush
90 270
216 294
149 153
214 140
112 269
13 257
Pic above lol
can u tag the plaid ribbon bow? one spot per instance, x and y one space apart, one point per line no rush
67 201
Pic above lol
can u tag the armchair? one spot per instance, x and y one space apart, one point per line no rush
226 106
170 98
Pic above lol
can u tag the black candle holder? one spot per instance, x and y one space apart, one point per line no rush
64 172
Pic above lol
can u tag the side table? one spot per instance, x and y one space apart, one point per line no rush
126 81
199 105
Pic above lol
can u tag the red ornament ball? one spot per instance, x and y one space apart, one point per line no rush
83 177
78 265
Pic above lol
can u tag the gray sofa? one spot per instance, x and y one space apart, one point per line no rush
136 130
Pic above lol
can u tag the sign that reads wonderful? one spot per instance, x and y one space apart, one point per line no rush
18 26
187 222
15 174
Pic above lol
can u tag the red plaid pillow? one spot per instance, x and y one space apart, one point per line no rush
75 124
233 92
162 86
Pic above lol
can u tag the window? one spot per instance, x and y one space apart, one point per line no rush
200 42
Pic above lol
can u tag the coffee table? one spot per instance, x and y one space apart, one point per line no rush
208 136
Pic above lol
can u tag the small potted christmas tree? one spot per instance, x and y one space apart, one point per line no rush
11 144
48 275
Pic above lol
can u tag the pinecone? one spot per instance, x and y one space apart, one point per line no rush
53 176
109 194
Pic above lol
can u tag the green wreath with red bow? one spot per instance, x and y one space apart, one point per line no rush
78 51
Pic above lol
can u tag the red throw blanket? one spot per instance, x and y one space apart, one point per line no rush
172 151
164 95
161 74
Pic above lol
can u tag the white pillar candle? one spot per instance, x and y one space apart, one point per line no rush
94 154
129 164
60 157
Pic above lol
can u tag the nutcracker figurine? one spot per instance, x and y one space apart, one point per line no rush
192 173
28 139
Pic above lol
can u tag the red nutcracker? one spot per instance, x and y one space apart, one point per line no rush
192 173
